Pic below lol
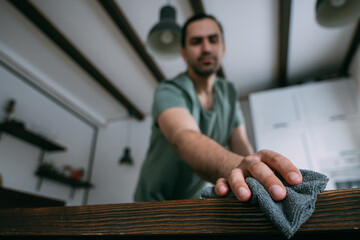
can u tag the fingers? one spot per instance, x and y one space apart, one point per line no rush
241 190
261 166
238 185
282 165
221 187
268 179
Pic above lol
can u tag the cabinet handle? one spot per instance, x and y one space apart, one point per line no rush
280 125
338 117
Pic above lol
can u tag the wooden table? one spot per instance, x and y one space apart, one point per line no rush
337 215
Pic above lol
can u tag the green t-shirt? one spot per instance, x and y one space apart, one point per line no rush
164 176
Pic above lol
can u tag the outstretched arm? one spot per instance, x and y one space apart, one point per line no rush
216 164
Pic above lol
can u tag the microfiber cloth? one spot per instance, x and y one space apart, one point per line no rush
290 213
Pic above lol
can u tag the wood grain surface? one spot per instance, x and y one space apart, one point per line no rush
337 213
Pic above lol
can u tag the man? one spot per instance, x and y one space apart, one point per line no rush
198 131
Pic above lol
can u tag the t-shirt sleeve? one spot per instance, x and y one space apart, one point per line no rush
168 95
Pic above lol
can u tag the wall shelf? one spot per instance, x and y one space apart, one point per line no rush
63 179
17 129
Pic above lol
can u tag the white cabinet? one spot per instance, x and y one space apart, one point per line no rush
297 146
315 125
330 101
276 109
336 149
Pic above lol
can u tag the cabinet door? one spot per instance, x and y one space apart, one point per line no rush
336 148
330 101
293 144
275 109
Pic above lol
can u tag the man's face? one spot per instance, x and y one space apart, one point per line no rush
204 48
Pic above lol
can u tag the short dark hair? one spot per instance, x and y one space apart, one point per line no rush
196 18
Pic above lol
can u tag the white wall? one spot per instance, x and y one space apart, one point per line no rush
19 160
116 183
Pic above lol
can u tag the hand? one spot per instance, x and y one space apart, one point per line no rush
260 166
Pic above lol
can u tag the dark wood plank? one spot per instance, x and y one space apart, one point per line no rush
197 6
284 19
344 70
337 213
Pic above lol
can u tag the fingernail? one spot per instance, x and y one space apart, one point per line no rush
222 189
294 177
242 191
277 191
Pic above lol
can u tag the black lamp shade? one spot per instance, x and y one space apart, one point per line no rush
335 13
164 38
126 158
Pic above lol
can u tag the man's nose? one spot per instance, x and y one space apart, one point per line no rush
206 46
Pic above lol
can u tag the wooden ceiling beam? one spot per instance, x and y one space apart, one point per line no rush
61 41
120 20
284 18
198 8
344 70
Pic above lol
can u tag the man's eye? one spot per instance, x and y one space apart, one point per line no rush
214 39
195 41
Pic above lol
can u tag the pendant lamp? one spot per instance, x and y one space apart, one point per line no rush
336 13
164 38
126 157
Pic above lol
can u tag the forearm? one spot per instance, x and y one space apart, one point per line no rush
208 158
243 149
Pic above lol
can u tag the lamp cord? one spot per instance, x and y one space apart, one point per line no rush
129 133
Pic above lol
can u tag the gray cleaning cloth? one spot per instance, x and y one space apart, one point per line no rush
290 213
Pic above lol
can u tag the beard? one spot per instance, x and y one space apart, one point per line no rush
205 69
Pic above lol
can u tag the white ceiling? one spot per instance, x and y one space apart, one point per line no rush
251 35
